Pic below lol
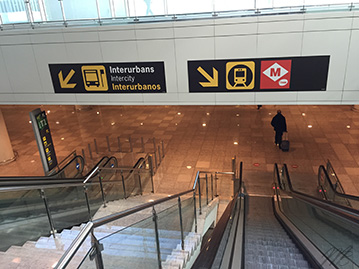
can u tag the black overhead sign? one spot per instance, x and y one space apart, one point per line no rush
148 77
259 75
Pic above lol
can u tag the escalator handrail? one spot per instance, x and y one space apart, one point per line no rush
22 178
28 181
346 212
322 169
208 253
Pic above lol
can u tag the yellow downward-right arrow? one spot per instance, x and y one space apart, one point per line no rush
64 83
212 81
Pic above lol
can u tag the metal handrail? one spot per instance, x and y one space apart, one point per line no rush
188 16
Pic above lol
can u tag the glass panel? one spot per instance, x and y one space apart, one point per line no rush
105 9
87 262
67 206
333 235
52 10
189 6
120 8
75 10
226 5
188 215
94 195
112 185
13 11
131 247
72 170
22 217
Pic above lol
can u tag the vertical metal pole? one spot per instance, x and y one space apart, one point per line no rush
63 13
156 164
87 203
195 211
199 195
96 149
212 185
181 223
30 17
90 151
98 12
113 10
216 184
119 144
83 154
102 192
98 248
207 189
139 180
163 149
51 222
142 145
154 218
130 141
154 145
150 160
123 184
1 23
235 182
159 155
108 143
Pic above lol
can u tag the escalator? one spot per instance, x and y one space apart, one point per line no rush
288 230
31 207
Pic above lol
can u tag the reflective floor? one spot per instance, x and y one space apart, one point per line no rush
195 138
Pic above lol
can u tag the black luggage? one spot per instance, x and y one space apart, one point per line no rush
285 142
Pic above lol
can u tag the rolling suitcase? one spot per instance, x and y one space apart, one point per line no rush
285 142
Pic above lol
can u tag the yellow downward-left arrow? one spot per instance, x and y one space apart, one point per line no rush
64 83
212 81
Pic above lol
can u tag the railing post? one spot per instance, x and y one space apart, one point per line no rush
212 185
181 223
96 149
63 13
199 195
97 248
159 155
102 192
195 211
235 181
154 218
216 184
163 149
156 164
154 144
123 184
90 152
142 145
108 143
87 202
151 171
83 154
119 144
51 222
139 180
98 12
207 189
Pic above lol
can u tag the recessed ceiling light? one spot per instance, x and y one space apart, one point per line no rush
235 142
237 115
203 124
112 123
269 113
179 113
189 167
57 122
97 112
48 112
310 126
62 138
348 126
141 123
303 114
29 121
207 113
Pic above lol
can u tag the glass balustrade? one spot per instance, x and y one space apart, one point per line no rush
105 11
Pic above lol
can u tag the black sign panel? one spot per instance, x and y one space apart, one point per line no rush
258 75
148 77
46 140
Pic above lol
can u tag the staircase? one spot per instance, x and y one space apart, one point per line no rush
124 246
267 245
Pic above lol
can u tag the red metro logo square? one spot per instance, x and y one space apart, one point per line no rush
275 74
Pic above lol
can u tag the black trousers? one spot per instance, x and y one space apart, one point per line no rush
278 137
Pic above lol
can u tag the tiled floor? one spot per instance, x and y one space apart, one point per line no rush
195 138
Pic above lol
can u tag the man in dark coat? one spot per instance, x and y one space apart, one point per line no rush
280 126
